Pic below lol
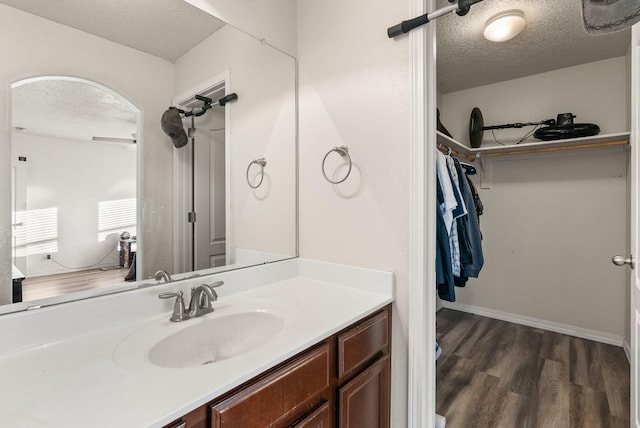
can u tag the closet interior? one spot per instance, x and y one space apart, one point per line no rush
555 212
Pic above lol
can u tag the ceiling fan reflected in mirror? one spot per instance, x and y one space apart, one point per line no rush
556 129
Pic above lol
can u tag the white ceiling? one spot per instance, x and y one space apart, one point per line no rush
163 28
67 109
553 38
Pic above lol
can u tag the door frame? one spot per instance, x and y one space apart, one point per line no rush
422 221
634 283
182 180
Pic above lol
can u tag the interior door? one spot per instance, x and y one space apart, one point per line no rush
210 200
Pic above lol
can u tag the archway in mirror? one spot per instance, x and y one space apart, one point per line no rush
74 186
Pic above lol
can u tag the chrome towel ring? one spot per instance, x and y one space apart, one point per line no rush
261 163
344 152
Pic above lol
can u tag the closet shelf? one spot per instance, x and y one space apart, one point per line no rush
461 150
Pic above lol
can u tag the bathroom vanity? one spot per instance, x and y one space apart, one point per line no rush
293 343
345 378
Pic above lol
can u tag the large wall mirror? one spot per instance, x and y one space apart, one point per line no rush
95 196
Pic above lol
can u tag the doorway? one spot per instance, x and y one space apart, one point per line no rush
424 325
201 177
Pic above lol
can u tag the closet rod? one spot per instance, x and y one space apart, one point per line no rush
449 151
552 149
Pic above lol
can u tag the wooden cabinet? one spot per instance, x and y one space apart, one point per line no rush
281 397
359 344
344 381
364 373
320 418
364 401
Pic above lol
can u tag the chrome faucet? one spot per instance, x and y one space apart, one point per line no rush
161 274
200 304
201 298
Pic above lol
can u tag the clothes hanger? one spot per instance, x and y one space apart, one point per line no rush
468 169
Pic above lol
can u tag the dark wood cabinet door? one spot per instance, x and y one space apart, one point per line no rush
281 397
363 402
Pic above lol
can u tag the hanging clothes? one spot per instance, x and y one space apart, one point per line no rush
474 238
459 241
444 273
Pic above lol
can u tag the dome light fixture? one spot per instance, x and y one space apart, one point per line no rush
504 26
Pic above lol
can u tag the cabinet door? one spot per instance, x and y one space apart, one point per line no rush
280 398
364 401
320 418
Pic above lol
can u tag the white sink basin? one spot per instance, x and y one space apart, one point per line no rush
216 339
235 329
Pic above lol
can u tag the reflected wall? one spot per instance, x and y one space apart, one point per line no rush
34 46
262 125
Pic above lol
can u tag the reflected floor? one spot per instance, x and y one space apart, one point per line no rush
55 285
494 373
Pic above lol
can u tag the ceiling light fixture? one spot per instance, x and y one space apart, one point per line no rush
504 26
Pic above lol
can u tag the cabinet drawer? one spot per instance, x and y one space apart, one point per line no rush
279 398
360 344
320 418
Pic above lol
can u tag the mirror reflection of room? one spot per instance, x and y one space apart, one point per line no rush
86 253
74 173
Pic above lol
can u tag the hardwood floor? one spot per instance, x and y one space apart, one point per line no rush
497 374
65 283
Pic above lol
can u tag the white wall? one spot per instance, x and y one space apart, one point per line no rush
262 124
595 92
273 20
33 46
553 222
72 179
354 91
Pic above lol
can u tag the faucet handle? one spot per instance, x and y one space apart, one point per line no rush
179 311
169 295
216 284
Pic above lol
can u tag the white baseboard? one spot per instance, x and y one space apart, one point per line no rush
570 330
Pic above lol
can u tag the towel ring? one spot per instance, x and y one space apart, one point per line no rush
342 151
260 162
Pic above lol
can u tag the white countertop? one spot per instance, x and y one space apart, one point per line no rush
99 378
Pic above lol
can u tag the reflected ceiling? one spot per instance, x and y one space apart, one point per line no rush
163 28
71 109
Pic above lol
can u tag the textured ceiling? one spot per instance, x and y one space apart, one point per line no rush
70 109
163 28
553 38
